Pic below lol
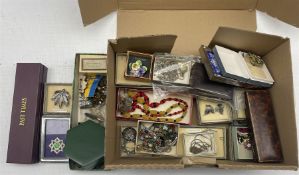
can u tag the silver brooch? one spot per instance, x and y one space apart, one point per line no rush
61 97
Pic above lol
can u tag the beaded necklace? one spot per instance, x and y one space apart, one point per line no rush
141 101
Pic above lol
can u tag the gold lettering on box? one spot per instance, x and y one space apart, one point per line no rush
22 118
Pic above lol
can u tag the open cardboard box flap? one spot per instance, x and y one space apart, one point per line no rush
276 53
146 44
285 10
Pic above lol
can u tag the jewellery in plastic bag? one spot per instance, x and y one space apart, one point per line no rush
158 138
170 70
61 97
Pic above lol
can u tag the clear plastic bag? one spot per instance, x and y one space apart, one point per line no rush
171 74
172 69
185 74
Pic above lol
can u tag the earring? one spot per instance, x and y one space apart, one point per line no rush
209 109
219 108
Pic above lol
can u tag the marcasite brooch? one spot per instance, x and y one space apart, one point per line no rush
61 97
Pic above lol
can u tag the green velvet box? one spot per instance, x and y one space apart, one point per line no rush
85 146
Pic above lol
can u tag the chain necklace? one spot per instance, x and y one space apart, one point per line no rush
203 143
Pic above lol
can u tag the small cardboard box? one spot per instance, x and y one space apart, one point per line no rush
195 23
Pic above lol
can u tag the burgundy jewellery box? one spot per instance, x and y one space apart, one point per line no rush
23 146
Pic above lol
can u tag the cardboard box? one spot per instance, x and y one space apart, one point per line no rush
196 23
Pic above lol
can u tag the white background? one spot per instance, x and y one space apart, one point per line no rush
51 32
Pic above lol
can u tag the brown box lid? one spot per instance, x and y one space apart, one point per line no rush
286 10
265 137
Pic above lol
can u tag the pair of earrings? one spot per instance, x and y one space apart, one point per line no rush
211 110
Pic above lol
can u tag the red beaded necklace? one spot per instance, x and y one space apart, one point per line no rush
141 101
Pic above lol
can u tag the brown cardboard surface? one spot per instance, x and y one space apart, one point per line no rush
285 10
225 164
145 163
186 4
92 10
193 27
110 129
162 43
280 64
